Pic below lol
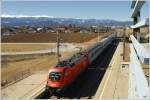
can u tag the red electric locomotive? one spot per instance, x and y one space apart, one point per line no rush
66 71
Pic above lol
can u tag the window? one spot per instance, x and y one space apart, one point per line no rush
55 76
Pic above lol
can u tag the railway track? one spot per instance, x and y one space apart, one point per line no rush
86 84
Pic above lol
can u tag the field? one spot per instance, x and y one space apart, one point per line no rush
17 65
14 68
48 38
32 42
25 47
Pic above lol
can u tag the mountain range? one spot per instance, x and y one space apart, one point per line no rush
42 21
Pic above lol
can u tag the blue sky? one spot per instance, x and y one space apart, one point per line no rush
117 10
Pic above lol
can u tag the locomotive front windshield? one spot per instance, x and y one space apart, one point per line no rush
55 76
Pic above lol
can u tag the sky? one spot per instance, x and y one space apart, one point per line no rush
116 10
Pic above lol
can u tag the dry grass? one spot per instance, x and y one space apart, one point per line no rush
39 38
25 47
40 63
48 37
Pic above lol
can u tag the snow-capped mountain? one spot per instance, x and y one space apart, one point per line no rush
43 20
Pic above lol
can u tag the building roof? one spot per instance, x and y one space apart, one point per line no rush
141 23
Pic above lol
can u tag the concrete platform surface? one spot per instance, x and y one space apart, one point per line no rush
114 85
25 87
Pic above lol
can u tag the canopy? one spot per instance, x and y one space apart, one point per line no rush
141 23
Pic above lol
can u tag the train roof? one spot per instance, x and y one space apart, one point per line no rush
71 60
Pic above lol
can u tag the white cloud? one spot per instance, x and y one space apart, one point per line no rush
20 16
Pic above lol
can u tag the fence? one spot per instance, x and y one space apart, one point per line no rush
22 74
140 50
15 78
138 85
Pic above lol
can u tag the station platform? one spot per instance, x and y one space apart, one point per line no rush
114 85
18 90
